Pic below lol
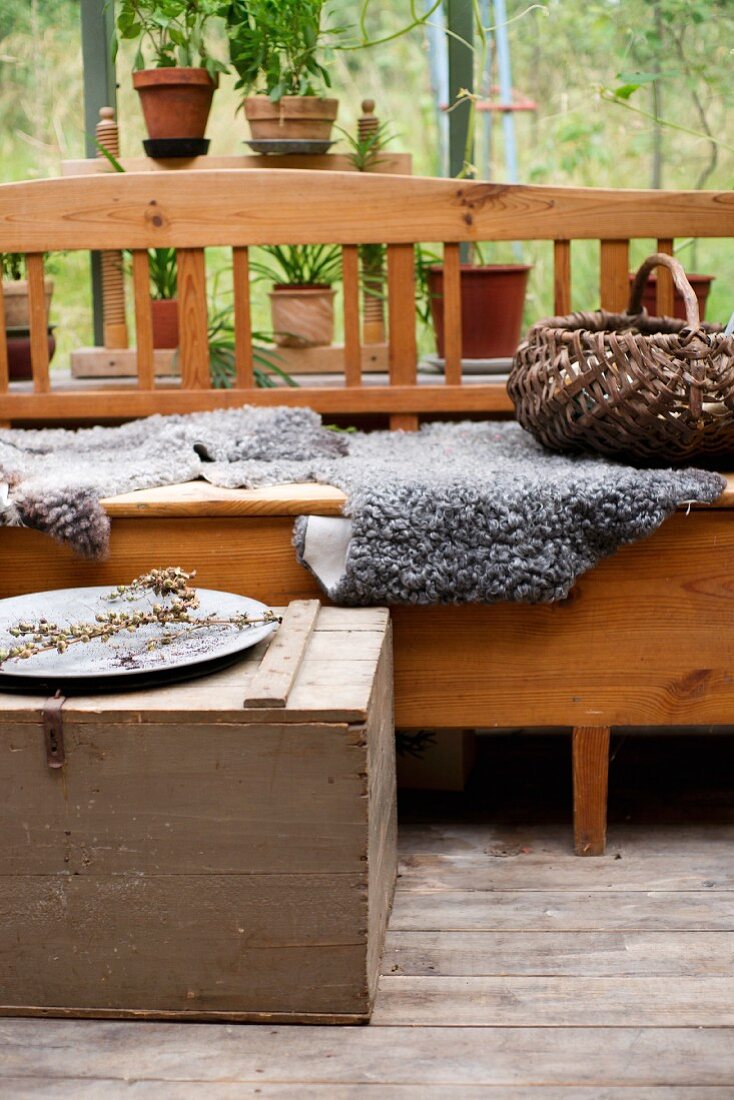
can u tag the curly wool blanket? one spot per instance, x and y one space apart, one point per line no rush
455 513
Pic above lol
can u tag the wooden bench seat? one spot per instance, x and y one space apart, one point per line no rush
645 639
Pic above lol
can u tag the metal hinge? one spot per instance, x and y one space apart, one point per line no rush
53 730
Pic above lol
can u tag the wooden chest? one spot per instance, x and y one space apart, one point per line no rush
196 858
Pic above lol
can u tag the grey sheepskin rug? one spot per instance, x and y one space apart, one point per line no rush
455 513
53 479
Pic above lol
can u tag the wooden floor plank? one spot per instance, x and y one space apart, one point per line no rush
568 911
36 1089
530 870
546 954
556 1002
504 1056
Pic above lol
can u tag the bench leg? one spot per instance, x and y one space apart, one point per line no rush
590 780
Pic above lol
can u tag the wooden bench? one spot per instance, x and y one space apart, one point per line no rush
645 639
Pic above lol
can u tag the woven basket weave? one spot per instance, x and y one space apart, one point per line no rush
628 385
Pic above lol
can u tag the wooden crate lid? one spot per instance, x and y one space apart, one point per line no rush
333 682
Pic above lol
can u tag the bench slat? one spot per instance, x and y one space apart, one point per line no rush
143 319
452 336
665 294
193 324
614 275
242 318
4 370
401 324
561 278
352 343
38 322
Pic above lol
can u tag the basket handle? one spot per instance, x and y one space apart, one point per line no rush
659 259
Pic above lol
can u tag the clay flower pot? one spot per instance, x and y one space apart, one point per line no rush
19 353
15 293
292 118
701 286
492 300
175 102
302 316
164 313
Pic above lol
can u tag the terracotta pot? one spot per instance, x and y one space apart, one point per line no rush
294 117
492 300
302 316
175 102
701 286
19 355
165 322
15 293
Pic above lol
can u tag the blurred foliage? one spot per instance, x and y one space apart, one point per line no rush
564 53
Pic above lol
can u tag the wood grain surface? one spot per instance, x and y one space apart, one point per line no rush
197 859
143 210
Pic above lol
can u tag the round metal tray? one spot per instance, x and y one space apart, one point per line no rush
125 661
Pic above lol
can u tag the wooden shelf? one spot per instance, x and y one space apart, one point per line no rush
391 164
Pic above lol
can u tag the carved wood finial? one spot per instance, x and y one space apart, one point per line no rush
367 123
107 131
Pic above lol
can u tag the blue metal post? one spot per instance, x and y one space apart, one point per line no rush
438 63
505 81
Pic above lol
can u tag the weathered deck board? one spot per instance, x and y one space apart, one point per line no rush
556 1002
547 954
569 911
38 1089
440 1056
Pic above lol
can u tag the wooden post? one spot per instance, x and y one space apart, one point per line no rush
590 781
113 276
373 271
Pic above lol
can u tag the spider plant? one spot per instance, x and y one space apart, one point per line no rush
222 355
424 260
12 266
364 150
300 264
163 273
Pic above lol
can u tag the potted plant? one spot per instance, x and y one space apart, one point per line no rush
267 372
164 299
17 316
701 286
492 302
177 87
302 297
276 51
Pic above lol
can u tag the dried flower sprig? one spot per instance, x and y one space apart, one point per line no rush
171 584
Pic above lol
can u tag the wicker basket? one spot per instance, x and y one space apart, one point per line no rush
628 385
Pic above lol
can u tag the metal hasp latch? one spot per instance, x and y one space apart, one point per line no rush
53 730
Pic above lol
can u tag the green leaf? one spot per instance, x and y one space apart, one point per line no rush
625 91
638 78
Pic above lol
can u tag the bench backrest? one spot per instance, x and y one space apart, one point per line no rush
191 211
